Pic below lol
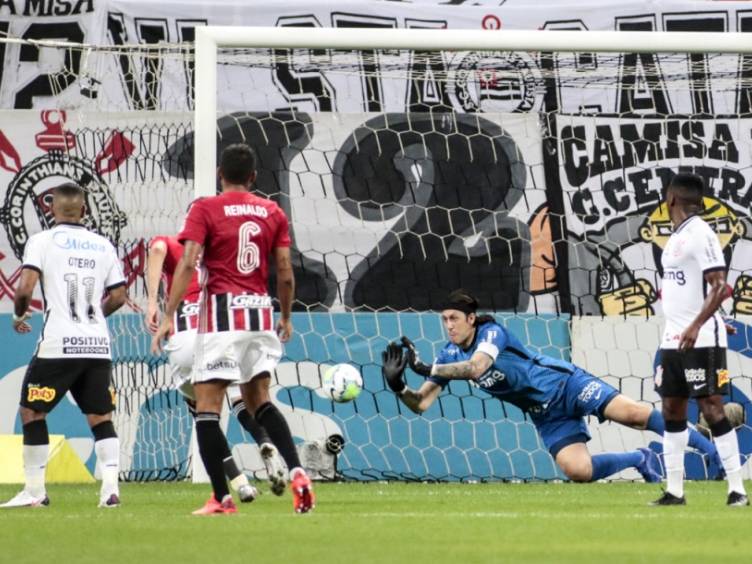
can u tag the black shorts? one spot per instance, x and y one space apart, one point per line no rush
694 373
89 381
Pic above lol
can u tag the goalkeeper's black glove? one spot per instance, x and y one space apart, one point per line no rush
412 357
393 364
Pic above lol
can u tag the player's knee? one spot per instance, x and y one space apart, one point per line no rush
638 415
577 470
28 415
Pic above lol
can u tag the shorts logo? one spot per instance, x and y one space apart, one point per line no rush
113 395
592 390
658 376
37 393
492 81
723 377
694 375
221 365
29 193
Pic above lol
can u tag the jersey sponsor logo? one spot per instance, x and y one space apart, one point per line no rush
237 210
32 184
490 379
592 390
70 242
694 375
676 275
86 345
722 376
40 393
189 309
249 301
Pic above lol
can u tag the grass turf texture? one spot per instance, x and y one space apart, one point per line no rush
377 522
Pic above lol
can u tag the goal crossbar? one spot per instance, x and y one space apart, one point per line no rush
210 38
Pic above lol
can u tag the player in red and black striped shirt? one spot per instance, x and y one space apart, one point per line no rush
235 234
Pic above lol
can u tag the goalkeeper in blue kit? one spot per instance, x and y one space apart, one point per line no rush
556 394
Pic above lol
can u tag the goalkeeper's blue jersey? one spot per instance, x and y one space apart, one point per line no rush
529 381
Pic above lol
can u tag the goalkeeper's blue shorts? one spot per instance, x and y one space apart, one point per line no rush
562 423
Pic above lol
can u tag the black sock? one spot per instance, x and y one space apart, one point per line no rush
279 432
212 445
250 424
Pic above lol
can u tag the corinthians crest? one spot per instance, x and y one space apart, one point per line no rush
28 201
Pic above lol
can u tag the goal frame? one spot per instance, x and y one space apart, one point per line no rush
210 38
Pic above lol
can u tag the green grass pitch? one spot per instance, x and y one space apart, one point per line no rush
382 522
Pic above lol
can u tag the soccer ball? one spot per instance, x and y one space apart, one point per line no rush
342 382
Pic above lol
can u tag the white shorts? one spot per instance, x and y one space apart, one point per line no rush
236 356
180 348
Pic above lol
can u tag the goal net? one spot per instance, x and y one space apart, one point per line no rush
527 173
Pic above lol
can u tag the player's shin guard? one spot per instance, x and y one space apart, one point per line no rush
279 432
675 440
728 448
36 446
107 449
250 424
604 465
212 445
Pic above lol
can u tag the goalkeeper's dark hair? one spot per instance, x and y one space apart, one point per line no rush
689 188
464 301
237 163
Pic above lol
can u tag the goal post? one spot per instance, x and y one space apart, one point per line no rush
590 263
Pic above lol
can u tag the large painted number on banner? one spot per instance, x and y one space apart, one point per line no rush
446 186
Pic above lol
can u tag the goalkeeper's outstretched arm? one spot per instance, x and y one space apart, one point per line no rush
420 400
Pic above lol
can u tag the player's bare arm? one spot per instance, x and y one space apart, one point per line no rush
22 300
114 300
471 369
716 284
285 291
183 274
421 399
154 264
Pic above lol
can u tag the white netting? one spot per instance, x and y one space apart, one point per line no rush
531 179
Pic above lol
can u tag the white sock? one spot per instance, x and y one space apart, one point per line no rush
674 445
35 464
108 456
728 450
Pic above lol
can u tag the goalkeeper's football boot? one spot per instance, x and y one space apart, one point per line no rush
736 499
669 499
110 502
303 499
212 507
650 467
274 470
25 499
